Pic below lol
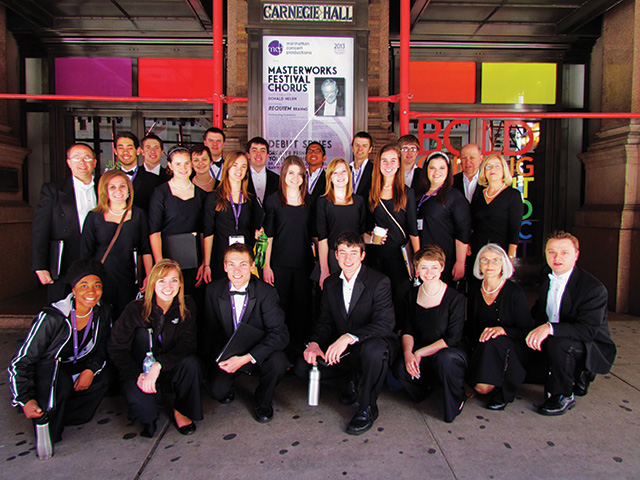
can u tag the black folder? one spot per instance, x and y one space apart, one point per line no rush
184 248
243 339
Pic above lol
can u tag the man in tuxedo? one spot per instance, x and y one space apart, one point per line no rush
214 139
152 151
144 183
332 101
467 180
262 181
315 157
354 333
409 148
243 298
572 333
362 167
59 217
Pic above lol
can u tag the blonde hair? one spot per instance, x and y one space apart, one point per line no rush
329 193
103 190
161 270
507 179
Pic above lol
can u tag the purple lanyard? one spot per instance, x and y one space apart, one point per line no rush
426 197
313 184
236 319
217 177
356 179
236 212
74 325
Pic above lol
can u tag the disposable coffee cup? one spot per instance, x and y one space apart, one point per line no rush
378 235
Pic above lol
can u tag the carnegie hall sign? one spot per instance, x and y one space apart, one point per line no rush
305 12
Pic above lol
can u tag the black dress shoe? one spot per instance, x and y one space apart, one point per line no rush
362 420
497 401
228 398
557 405
148 429
263 414
349 395
582 381
187 429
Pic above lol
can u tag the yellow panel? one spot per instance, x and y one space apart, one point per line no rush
524 83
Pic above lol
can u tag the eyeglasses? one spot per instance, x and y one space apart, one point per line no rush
409 149
86 159
494 166
493 261
314 150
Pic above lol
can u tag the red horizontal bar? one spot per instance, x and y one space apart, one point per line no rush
91 98
523 115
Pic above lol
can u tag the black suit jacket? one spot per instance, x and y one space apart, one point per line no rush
583 317
370 314
263 312
458 183
143 186
56 218
273 180
319 188
365 181
417 179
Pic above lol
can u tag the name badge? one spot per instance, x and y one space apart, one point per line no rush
236 239
420 223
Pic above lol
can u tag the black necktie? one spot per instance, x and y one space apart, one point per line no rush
218 163
130 172
233 292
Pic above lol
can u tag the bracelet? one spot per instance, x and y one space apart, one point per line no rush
207 266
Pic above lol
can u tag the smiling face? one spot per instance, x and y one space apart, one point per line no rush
437 171
361 148
470 158
215 142
200 162
87 291
315 158
258 156
494 171
349 258
181 165
167 287
152 152
561 255
429 271
389 163
409 155
294 177
340 176
330 92
127 153
117 190
238 266
81 162
490 264
238 169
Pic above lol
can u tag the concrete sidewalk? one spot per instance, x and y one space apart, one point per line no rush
600 438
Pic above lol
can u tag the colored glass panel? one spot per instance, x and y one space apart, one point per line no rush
442 82
519 83
93 76
175 78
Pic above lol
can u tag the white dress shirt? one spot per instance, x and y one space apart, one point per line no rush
557 286
313 179
85 199
357 174
330 109
155 170
259 182
216 169
470 185
408 176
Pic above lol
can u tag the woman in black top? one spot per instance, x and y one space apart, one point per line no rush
432 338
231 215
289 258
498 322
164 324
392 206
444 216
115 201
177 207
337 211
496 215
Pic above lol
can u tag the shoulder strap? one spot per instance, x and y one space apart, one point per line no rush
115 236
393 218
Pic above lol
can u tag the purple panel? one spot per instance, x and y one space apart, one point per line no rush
93 76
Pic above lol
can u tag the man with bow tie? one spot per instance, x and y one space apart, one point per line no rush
243 298
127 148
214 138
573 334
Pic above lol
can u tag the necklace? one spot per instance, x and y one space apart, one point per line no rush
180 188
486 192
388 188
492 291
84 316
116 214
424 290
202 184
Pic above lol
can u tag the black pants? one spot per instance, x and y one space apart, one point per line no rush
294 289
270 372
70 407
566 358
183 380
447 366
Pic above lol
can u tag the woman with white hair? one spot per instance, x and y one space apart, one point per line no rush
498 319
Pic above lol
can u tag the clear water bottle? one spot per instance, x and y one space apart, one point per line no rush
314 386
44 445
149 360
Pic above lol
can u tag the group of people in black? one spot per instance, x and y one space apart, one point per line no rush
362 274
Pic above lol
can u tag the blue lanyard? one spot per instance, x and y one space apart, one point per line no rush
236 212
312 185
426 197
74 325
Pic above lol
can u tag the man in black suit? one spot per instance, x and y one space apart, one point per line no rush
355 329
152 148
467 180
315 157
262 181
572 333
362 167
331 104
409 148
60 216
144 183
242 298
214 139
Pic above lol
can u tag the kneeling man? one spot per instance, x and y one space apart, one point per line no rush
242 298
354 332
573 333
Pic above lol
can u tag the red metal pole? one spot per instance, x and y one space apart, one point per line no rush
218 64
405 36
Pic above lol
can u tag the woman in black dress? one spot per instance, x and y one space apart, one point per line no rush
231 215
115 205
444 216
432 338
496 215
164 324
392 206
337 211
498 322
289 258
177 208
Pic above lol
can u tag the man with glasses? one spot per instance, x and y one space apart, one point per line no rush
467 180
58 221
144 183
317 182
409 148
